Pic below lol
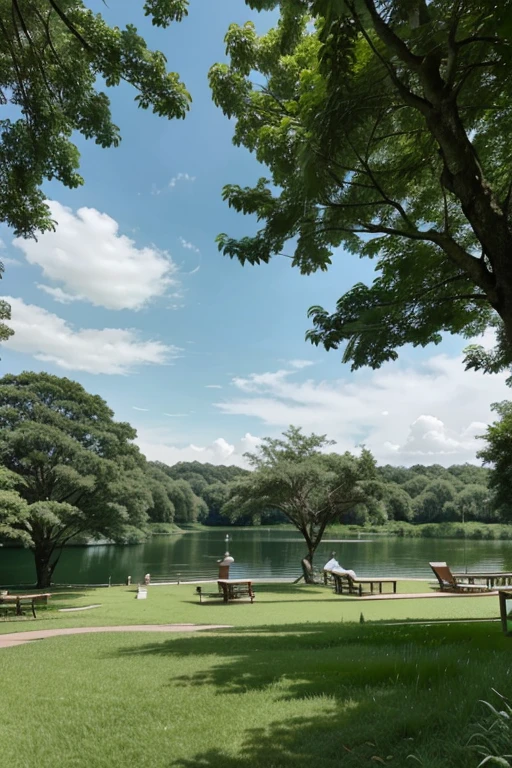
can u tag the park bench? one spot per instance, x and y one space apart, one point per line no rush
356 585
16 603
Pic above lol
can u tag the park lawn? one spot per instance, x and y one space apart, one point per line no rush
286 696
275 604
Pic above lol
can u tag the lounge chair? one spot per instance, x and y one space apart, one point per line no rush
448 582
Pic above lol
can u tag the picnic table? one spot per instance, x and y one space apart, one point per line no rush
234 589
492 578
16 602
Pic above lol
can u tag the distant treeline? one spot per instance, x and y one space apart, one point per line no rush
418 494
210 485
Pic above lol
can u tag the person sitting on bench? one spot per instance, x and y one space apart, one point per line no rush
333 566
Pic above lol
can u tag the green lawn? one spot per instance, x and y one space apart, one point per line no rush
274 604
292 695
298 682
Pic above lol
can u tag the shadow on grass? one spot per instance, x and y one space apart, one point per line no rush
373 692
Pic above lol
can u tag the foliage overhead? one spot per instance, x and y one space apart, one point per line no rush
5 314
54 56
385 126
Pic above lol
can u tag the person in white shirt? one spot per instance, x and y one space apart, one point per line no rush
333 566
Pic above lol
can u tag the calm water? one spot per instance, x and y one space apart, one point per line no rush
261 553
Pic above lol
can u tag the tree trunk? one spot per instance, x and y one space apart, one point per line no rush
44 566
307 566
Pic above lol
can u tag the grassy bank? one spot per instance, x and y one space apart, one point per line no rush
266 697
164 528
429 530
275 604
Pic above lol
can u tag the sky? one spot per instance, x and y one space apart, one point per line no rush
204 357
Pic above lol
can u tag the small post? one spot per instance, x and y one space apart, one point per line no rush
147 579
128 581
110 581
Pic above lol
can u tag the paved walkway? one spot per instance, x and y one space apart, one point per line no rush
409 595
19 638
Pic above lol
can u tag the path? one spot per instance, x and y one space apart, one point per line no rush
409 595
19 638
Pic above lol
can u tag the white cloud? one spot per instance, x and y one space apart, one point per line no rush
180 177
437 408
111 350
189 246
299 364
213 386
174 414
8 262
139 409
223 448
95 263
58 294
157 444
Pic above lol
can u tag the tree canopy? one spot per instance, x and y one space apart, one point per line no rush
385 129
310 488
498 453
55 56
75 468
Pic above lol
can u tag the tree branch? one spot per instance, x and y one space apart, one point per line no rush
69 25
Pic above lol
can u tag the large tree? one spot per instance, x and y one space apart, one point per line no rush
497 453
312 489
13 509
55 56
385 126
75 467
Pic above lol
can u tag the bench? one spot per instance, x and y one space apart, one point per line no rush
356 585
17 602
492 579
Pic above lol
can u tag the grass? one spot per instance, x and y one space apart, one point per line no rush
289 695
275 604
297 681
470 530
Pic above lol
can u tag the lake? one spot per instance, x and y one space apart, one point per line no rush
258 552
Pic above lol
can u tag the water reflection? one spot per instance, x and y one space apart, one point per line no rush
261 553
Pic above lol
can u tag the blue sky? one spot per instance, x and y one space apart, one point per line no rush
204 356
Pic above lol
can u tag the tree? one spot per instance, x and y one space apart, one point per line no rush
54 55
416 485
13 508
474 503
430 505
398 503
75 467
498 454
385 127
210 483
312 489
5 314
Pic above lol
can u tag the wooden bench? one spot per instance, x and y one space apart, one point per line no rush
492 579
356 585
17 602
